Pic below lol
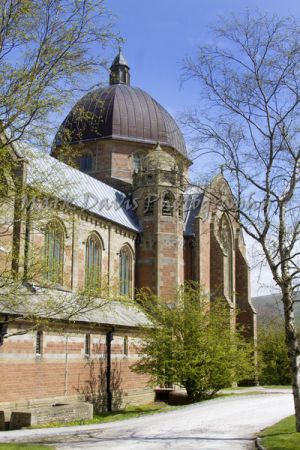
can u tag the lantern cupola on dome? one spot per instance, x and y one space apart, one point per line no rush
119 70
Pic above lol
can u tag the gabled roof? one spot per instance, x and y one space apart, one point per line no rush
193 197
68 184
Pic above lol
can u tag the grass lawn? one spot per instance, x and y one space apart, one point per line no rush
281 436
284 386
25 447
127 413
237 394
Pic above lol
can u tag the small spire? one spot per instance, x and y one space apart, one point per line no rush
157 147
119 70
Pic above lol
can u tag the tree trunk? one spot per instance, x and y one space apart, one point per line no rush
293 348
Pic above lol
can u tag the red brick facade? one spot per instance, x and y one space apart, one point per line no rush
63 370
162 255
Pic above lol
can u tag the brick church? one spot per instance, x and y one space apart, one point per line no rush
115 212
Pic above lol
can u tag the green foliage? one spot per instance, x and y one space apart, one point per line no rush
25 447
191 344
282 435
48 50
273 362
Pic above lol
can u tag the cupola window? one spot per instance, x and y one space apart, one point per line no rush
180 207
168 204
86 162
149 205
137 162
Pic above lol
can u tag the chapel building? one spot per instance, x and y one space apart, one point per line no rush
114 211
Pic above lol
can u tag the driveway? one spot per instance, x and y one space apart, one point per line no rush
226 423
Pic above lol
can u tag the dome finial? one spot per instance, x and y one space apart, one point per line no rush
119 70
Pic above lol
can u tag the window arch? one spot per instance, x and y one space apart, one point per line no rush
93 259
125 271
54 251
149 205
227 244
168 204
137 162
180 207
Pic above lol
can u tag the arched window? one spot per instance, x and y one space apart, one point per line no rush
149 205
226 240
125 271
93 256
54 251
86 162
87 345
137 162
180 207
126 346
168 204
39 343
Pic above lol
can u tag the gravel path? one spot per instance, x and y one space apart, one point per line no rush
226 423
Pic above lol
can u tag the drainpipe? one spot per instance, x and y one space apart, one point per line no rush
108 259
66 365
73 253
109 338
27 241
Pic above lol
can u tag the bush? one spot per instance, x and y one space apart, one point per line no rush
273 362
191 344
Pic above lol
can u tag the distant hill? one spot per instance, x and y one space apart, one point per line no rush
269 308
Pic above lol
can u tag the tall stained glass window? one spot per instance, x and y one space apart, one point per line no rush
226 239
125 271
93 262
54 251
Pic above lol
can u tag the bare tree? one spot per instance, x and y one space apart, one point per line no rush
249 82
48 50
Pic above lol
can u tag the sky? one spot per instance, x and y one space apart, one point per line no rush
158 35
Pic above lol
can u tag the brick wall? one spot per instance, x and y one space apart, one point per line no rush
78 228
63 369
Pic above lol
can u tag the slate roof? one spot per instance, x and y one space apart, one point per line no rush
58 304
66 183
122 112
193 197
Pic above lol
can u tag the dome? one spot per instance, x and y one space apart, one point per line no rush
120 111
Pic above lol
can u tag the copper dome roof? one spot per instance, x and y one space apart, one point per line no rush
120 111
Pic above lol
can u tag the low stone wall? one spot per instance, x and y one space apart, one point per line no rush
63 413
25 413
138 397
36 404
